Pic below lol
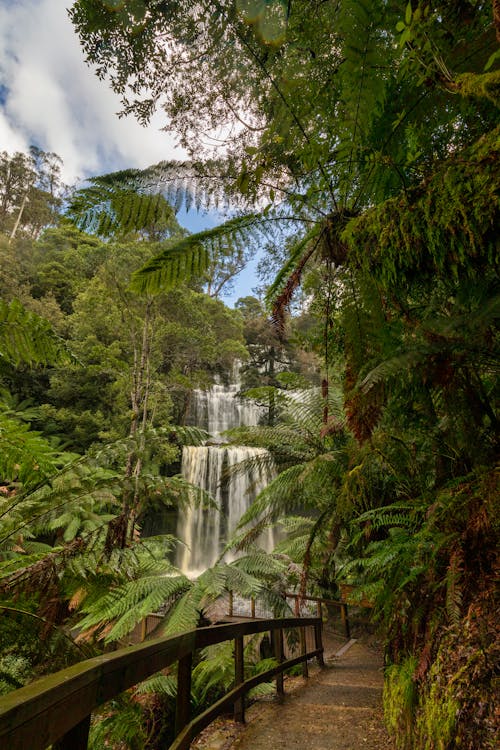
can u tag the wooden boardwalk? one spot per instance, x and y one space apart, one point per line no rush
338 708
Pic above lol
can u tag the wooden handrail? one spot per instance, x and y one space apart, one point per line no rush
56 709
342 605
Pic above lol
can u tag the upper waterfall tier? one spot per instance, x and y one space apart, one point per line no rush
219 408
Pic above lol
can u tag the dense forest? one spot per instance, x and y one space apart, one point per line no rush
360 162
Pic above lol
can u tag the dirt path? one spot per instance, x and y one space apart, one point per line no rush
337 708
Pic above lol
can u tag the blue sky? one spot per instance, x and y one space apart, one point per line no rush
50 98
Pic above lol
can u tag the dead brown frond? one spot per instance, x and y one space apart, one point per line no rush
38 576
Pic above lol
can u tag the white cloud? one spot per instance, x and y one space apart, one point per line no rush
52 99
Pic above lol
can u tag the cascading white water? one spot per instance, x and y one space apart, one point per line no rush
214 469
219 409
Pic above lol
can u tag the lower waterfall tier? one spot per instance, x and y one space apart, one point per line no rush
233 476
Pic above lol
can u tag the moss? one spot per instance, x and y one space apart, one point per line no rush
400 700
482 85
444 227
436 721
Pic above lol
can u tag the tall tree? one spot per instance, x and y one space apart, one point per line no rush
31 191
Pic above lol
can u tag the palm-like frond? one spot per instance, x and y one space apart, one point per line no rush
26 337
215 671
191 256
25 456
363 79
163 684
183 184
289 276
74 493
156 584
108 209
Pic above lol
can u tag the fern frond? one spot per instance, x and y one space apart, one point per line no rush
366 50
128 604
160 683
25 457
453 587
28 338
192 255
111 205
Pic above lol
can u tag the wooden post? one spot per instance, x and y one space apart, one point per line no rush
297 607
239 676
183 704
76 738
144 629
278 654
345 619
252 605
318 638
318 607
231 603
303 650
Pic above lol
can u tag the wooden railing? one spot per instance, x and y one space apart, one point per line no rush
56 709
298 600
341 605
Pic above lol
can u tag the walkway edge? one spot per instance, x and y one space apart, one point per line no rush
345 648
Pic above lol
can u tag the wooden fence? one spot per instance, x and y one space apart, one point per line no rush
299 602
56 709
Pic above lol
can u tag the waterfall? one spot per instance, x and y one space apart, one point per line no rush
214 469
219 409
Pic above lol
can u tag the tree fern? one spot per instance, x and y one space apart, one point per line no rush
111 206
131 602
366 51
26 337
190 257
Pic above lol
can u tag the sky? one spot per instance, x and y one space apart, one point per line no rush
50 98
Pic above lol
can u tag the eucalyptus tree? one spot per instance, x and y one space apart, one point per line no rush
31 191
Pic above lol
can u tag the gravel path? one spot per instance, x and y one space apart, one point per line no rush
337 708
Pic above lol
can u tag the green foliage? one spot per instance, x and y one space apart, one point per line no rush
153 583
367 135
26 337
122 724
108 210
400 699
437 719
25 457
14 672
214 674
192 256
443 227
31 192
